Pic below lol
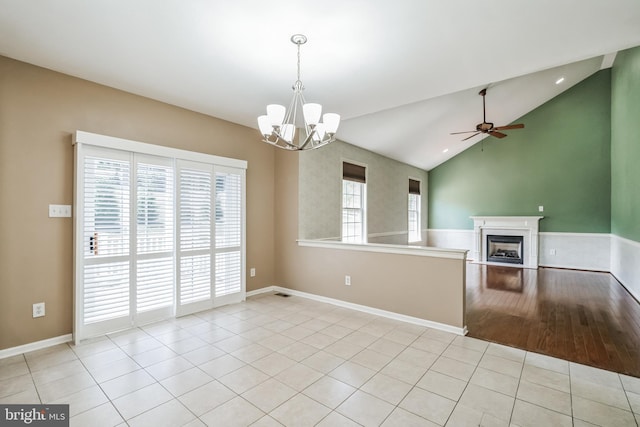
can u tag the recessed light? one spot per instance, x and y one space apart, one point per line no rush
445 150
560 80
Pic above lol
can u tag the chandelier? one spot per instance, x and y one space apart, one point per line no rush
278 127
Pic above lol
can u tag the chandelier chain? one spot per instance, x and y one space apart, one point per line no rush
298 61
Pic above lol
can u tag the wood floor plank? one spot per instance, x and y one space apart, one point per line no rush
585 317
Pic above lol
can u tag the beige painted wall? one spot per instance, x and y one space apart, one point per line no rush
39 111
423 287
320 189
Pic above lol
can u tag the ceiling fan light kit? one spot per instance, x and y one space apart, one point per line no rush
488 127
280 125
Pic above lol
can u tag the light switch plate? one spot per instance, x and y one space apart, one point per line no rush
59 211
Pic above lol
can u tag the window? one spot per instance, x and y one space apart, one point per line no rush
354 203
160 232
415 234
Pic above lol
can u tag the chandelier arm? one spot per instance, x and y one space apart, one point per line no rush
292 111
293 146
289 127
280 138
294 108
307 140
272 142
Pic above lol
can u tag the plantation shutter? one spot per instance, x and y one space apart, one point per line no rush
155 237
211 203
228 231
195 227
106 240
158 232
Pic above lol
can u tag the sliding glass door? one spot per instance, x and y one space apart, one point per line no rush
155 237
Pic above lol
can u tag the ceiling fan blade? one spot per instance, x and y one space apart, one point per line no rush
518 126
469 137
487 127
497 134
466 131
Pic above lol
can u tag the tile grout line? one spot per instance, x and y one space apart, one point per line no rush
244 325
467 382
26 362
571 396
515 397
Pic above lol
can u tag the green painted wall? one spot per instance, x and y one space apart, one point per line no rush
561 160
625 145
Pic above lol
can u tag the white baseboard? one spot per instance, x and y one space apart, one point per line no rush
38 345
50 342
574 267
260 291
364 309
625 263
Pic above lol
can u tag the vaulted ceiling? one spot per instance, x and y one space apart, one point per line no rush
403 74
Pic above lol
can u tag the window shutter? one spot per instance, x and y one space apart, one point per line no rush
154 230
228 233
106 235
414 186
195 235
106 204
351 172
145 242
106 291
228 210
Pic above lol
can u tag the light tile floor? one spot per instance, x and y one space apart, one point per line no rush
275 361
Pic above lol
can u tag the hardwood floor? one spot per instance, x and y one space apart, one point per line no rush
584 317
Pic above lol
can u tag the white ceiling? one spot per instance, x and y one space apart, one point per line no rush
403 74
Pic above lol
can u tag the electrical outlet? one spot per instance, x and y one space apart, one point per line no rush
552 251
540 208
252 272
347 280
38 310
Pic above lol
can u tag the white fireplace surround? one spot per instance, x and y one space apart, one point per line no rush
525 226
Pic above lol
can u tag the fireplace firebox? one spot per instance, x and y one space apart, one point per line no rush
505 249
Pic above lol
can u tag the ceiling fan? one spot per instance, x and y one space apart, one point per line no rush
487 127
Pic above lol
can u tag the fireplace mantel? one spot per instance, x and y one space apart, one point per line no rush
526 226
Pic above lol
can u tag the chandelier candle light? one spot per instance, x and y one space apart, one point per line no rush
278 126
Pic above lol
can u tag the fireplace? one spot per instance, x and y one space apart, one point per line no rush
506 249
524 227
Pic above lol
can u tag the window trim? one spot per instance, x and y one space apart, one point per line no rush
96 140
360 179
418 210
